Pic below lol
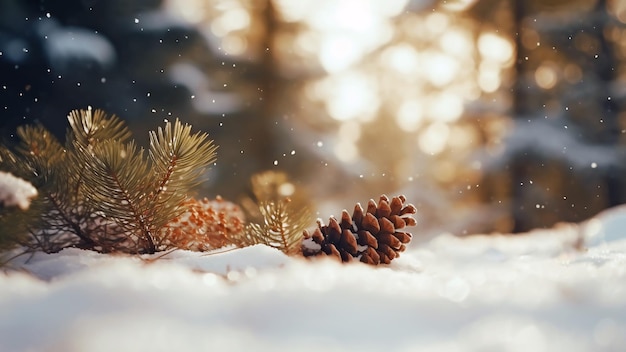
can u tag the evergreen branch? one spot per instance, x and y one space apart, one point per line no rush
115 184
51 163
37 156
41 159
282 226
270 186
88 127
178 158
72 222
100 192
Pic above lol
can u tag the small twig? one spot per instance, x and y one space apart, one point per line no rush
160 256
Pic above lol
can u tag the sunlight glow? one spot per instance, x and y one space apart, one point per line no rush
462 137
444 171
347 30
410 115
495 48
489 77
339 52
437 23
618 9
456 42
346 149
231 20
433 139
440 69
402 58
191 11
234 44
573 73
445 107
294 11
546 75
352 95
458 5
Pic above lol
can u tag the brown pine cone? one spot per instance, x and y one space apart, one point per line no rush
373 236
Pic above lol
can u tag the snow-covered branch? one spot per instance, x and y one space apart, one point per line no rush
15 192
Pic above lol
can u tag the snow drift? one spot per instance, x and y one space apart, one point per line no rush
562 289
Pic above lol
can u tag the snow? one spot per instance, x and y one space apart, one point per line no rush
560 289
554 139
65 46
15 191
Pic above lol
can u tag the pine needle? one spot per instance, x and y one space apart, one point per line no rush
100 191
282 226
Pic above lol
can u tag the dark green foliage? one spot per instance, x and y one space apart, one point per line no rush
100 191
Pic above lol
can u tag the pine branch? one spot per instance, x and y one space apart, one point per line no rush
36 158
88 127
41 159
282 226
178 158
279 212
100 191
115 184
15 200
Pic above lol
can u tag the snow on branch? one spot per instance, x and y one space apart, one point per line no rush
15 192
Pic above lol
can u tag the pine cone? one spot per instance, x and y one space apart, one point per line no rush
372 236
207 224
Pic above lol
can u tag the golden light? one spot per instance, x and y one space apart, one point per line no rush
618 9
573 73
456 42
444 171
339 52
347 30
463 137
402 58
440 69
495 48
306 42
234 44
350 95
530 38
432 140
346 149
286 189
546 75
410 115
437 23
489 77
191 11
445 107
233 19
294 11
458 5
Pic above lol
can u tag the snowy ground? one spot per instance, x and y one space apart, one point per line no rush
550 290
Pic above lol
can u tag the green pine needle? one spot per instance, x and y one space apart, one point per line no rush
282 226
101 191
179 159
88 126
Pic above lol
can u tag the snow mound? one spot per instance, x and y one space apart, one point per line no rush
15 192
548 290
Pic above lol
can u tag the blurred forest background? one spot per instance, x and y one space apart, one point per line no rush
490 115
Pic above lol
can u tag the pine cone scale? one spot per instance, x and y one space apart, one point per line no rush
370 223
386 226
372 236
